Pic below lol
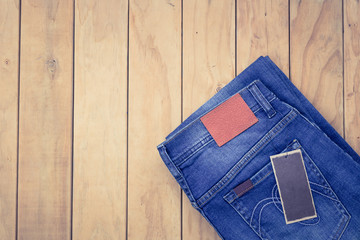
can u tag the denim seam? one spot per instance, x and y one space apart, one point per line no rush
343 220
259 219
252 216
243 89
311 224
245 220
248 156
192 150
333 199
259 108
192 200
316 170
338 204
257 182
275 197
312 123
322 176
236 195
195 151
202 143
261 179
319 185
227 198
263 102
346 225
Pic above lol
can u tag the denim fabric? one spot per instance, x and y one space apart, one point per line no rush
208 173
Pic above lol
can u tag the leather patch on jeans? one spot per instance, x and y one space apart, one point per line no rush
229 119
243 187
293 184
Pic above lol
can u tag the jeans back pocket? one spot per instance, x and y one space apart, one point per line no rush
261 208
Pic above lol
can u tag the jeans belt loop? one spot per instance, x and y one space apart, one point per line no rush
260 98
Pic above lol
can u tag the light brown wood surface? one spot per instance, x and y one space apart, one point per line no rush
154 109
352 73
90 88
262 29
316 56
45 120
100 120
9 69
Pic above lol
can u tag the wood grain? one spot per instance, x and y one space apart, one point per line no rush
208 64
316 56
100 120
262 29
45 130
138 69
154 110
9 63
352 72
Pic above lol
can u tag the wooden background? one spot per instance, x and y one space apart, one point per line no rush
89 88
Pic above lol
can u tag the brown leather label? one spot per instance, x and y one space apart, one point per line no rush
243 187
229 119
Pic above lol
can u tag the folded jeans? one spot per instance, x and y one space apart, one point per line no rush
208 173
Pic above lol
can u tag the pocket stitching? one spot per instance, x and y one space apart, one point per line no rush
260 180
345 216
311 165
253 211
246 221
307 224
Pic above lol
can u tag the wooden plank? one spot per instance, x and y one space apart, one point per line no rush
154 110
316 57
352 72
100 120
9 52
262 29
45 130
208 64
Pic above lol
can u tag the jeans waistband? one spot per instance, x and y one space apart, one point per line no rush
186 141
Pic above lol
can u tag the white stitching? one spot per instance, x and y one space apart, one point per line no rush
324 179
308 224
273 196
235 208
263 102
252 214
195 151
320 185
183 178
325 195
260 216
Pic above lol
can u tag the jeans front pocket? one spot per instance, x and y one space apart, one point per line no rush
260 206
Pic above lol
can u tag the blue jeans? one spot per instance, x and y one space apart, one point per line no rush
287 121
